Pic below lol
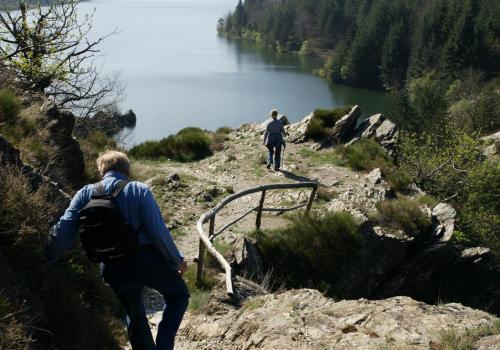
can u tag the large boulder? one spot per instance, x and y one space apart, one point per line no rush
297 131
343 128
305 319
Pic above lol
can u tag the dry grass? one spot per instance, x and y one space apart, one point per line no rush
79 311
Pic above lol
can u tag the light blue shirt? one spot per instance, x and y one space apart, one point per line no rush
137 205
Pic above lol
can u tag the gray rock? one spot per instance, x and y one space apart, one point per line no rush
247 259
386 134
297 131
489 343
492 145
367 128
305 319
443 217
66 164
379 128
343 128
106 122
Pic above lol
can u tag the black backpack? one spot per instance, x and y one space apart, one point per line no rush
104 232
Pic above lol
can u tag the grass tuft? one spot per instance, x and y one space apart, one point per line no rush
403 214
10 106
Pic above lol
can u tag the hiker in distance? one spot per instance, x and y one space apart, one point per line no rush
274 141
121 227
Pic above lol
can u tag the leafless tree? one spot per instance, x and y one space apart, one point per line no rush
50 50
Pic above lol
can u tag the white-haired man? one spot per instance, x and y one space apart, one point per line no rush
156 263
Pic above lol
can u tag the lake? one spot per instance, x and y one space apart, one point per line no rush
178 72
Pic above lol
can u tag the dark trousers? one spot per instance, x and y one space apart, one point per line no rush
274 156
127 278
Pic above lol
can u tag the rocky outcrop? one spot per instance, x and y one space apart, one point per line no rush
65 163
346 132
106 122
343 128
426 267
379 128
492 145
9 157
305 319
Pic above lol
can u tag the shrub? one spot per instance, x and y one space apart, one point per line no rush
316 130
187 145
312 251
403 214
10 106
366 154
224 130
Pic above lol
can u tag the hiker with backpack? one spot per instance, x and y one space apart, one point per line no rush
122 228
274 140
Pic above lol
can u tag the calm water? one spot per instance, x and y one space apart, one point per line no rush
178 72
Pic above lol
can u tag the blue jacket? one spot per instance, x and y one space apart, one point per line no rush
136 203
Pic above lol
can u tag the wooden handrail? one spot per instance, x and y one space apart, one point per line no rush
206 241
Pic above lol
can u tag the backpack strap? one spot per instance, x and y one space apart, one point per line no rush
121 185
100 191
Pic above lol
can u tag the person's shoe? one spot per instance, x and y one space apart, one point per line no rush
276 169
268 166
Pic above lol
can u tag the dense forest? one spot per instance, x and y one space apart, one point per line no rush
377 43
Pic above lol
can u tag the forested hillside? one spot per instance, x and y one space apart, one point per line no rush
377 43
12 4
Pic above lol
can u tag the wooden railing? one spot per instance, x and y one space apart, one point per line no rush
206 240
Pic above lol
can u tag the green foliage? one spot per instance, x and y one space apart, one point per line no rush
75 305
451 167
366 154
10 106
187 145
224 130
312 251
403 214
316 130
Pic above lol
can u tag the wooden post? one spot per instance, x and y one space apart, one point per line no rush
201 256
201 253
311 200
211 228
258 221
